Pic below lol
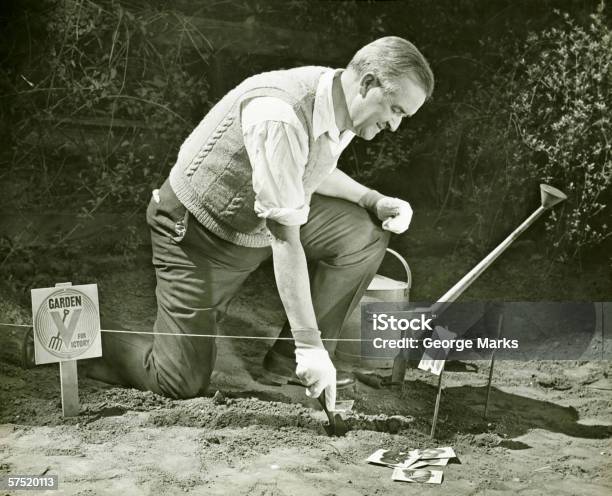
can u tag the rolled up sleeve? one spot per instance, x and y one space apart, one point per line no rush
277 146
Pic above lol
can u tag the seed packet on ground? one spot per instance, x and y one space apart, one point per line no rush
440 462
422 476
431 453
392 458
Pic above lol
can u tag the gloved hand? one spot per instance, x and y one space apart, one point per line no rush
317 372
400 221
386 207
396 214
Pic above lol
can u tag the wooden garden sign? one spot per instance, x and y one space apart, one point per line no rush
66 322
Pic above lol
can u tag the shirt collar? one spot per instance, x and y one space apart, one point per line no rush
324 118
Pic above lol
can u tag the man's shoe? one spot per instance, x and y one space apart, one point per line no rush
279 369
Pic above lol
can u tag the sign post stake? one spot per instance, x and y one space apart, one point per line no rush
70 388
434 420
69 380
500 325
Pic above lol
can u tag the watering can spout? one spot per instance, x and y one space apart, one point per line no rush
551 196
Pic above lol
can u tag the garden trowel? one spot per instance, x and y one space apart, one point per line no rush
337 425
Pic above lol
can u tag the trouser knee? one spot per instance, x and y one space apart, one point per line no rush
369 242
183 384
185 390
380 240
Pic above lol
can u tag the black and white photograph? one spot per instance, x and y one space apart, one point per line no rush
418 476
303 247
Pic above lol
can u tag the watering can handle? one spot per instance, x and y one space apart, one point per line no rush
405 264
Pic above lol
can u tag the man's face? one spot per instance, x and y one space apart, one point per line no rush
373 110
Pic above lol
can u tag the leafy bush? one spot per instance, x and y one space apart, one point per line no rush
497 122
98 106
562 107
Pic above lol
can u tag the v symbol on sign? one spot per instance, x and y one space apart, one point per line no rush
66 333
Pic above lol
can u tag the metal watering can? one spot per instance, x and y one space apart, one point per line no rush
381 288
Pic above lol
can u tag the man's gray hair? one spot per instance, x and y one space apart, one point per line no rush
391 58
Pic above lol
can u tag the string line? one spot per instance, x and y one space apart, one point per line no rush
224 336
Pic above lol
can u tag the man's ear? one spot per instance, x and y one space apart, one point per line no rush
367 82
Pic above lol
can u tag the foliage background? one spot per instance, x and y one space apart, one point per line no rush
94 106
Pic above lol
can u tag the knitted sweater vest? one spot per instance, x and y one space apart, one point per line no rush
212 177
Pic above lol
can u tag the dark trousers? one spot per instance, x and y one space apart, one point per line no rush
198 273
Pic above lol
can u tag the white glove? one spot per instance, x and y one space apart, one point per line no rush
317 372
399 221
386 207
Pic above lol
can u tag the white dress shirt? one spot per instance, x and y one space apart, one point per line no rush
277 145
